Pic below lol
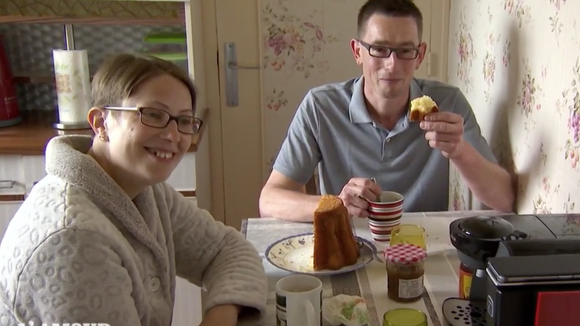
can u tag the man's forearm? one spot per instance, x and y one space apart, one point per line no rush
489 182
288 204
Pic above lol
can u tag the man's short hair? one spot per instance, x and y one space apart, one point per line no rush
389 8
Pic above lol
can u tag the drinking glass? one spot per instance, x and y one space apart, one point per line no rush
409 234
404 317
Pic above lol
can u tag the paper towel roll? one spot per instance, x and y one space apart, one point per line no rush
73 87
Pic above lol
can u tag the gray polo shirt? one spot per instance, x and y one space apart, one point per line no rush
333 129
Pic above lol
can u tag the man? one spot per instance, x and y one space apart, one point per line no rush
359 129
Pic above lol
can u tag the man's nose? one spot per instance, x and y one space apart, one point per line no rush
391 62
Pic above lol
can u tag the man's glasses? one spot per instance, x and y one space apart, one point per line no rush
381 51
157 118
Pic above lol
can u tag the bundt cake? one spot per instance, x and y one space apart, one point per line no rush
422 106
334 242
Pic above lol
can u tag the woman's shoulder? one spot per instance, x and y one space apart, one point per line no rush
54 205
56 222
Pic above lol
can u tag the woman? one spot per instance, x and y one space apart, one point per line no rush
101 238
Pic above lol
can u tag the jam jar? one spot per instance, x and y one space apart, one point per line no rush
405 271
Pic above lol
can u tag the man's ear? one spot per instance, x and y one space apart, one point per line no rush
96 118
356 51
422 53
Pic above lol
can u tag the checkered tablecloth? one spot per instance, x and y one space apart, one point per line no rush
441 266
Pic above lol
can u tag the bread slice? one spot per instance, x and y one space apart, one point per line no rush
334 243
422 106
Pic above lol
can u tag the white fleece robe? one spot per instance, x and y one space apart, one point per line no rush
79 250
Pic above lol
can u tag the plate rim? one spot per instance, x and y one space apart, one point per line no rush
365 242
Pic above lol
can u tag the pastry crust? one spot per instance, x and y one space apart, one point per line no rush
334 243
422 106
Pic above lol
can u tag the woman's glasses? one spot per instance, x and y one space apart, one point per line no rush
157 118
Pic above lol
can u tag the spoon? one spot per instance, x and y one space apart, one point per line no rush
378 198
375 181
375 253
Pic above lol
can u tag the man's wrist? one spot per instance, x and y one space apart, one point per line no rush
463 154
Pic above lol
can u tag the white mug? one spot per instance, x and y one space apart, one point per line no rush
298 301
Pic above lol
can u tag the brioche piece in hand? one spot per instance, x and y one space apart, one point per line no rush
422 106
334 243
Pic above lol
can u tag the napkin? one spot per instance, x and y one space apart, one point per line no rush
345 309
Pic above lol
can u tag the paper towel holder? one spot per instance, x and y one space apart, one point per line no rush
69 44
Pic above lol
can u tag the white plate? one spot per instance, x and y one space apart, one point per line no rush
294 254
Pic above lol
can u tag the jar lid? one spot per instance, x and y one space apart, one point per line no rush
405 253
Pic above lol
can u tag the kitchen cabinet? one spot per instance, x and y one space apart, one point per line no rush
193 170
7 210
19 173
12 188
11 177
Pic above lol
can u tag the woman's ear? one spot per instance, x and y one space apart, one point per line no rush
96 118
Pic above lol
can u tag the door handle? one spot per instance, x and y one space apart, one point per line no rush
7 184
232 67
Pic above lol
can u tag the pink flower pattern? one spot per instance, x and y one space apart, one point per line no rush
457 190
520 9
543 127
292 41
506 53
572 103
527 99
276 100
555 21
558 3
465 52
541 206
489 68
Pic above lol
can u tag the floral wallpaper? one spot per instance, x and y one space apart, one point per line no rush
304 44
518 63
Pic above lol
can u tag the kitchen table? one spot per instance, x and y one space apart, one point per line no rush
441 266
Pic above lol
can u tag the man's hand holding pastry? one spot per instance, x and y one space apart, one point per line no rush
444 131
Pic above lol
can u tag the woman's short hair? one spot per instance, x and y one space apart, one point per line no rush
120 75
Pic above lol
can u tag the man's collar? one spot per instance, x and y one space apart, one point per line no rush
414 91
358 109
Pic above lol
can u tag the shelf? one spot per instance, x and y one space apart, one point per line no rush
33 133
93 12
182 1
33 77
91 20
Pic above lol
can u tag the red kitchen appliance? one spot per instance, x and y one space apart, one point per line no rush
558 308
9 111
